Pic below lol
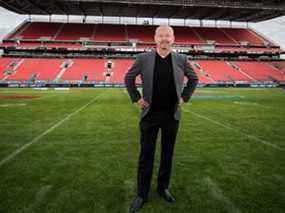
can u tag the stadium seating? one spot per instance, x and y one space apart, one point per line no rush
214 34
73 35
75 32
42 69
110 32
203 76
186 35
141 33
208 71
244 35
222 71
120 68
93 68
279 65
248 49
4 65
36 30
261 71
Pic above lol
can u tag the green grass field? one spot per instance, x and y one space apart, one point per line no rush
77 151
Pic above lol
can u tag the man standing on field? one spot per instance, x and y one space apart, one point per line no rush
162 72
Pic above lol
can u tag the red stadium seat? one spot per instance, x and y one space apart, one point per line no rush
44 69
141 33
110 32
93 68
245 35
208 71
221 71
261 71
76 31
36 30
215 34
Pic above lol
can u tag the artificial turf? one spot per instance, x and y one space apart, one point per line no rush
77 151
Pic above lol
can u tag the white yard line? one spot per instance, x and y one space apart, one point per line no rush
216 192
48 96
40 197
36 139
254 104
12 105
235 130
129 187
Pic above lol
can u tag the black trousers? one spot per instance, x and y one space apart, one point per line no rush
149 128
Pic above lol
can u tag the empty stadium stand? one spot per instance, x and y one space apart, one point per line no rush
209 71
261 71
245 35
73 32
35 31
222 71
92 68
40 69
29 55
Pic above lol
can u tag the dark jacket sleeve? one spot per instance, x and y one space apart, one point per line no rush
191 82
130 79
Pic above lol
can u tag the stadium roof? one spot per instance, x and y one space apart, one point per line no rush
240 10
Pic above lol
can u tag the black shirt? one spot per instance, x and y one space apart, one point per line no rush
164 96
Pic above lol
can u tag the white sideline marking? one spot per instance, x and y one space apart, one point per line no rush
129 187
11 105
236 130
40 196
41 88
36 139
250 104
218 194
47 96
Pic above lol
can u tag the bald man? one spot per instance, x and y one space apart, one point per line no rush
163 93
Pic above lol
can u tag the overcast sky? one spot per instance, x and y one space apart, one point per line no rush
273 29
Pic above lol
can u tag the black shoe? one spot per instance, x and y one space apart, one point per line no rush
137 204
165 194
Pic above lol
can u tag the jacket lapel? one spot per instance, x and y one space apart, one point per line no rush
151 63
175 72
151 69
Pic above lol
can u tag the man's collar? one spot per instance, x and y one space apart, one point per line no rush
169 54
